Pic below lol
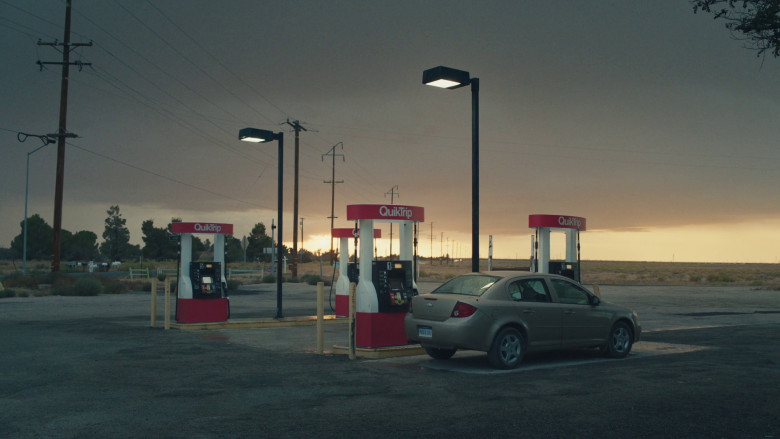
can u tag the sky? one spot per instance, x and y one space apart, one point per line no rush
650 121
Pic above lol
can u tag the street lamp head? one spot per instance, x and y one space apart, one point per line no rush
256 135
446 77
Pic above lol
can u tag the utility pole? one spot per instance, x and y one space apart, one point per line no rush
441 248
332 152
392 200
302 233
62 132
298 128
431 242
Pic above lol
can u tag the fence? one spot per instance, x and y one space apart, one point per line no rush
246 272
139 272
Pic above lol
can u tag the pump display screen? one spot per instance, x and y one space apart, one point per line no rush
206 280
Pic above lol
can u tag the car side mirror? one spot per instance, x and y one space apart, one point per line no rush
594 300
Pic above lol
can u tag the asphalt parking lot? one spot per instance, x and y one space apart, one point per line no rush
708 366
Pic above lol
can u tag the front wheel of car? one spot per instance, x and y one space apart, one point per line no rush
619 342
507 350
440 354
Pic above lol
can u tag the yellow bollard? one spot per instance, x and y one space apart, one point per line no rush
167 319
153 322
320 316
352 309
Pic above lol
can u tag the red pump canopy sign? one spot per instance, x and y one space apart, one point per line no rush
387 212
556 222
215 228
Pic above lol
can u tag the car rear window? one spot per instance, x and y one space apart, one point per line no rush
468 285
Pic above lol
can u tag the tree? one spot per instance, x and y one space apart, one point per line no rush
157 242
233 250
79 246
757 21
116 244
256 242
39 239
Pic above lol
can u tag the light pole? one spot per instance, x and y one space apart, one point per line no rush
46 141
261 136
446 77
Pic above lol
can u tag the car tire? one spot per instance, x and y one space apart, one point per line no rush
507 350
619 341
440 354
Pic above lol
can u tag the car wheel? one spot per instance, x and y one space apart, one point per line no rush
619 342
440 354
507 349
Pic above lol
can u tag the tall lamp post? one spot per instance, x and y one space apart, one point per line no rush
46 141
261 136
446 77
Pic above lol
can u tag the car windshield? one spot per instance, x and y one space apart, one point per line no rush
469 285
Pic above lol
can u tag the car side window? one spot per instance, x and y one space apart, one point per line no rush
529 290
569 293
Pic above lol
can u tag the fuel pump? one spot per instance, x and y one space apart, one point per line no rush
393 281
202 290
544 224
385 288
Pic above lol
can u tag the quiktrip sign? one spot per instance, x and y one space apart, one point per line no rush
213 228
557 222
386 212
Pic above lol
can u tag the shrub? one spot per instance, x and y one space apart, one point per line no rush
232 284
268 279
7 293
719 277
114 287
84 286
312 279
20 281
694 278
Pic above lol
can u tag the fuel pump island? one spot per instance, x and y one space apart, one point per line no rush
544 224
202 286
384 288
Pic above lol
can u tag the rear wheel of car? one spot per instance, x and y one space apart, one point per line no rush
507 350
440 354
620 341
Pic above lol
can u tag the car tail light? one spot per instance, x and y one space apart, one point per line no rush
463 310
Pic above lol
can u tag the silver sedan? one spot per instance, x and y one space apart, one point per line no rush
507 314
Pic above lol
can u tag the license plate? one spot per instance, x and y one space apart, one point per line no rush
425 331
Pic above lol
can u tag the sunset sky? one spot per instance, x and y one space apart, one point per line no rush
651 121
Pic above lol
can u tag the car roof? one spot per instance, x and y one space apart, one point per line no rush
503 274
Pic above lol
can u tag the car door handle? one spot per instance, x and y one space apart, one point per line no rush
528 311
570 311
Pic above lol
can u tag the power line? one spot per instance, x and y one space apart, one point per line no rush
165 177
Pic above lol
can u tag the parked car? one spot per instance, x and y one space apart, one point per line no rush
507 314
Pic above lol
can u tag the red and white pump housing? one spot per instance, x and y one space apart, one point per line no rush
373 328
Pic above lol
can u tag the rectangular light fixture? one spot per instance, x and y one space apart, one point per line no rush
255 135
446 77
